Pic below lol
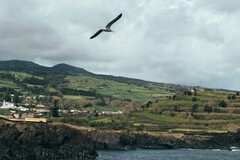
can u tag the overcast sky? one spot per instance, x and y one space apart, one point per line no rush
188 42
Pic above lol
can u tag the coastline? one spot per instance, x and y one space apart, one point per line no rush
130 140
53 139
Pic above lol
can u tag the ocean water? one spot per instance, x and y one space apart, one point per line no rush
178 154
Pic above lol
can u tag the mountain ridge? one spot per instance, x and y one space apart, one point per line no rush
63 68
29 66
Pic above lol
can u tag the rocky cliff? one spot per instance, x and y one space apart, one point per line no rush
43 141
61 141
126 140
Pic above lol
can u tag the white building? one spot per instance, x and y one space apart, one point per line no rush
40 105
22 109
7 105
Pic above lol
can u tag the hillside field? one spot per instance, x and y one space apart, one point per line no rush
146 106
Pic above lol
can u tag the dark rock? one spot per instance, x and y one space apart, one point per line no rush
123 140
43 141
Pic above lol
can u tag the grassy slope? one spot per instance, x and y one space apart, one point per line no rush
7 84
115 89
180 120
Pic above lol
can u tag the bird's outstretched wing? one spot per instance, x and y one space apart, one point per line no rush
96 34
113 21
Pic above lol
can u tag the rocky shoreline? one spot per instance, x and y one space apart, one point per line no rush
48 141
41 141
127 140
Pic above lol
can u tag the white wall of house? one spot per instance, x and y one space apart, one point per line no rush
7 105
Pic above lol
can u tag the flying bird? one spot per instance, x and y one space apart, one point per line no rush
107 28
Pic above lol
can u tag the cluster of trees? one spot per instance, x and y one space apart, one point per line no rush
4 89
15 99
36 90
222 104
69 91
91 93
55 108
48 80
55 79
35 81
231 97
208 108
7 76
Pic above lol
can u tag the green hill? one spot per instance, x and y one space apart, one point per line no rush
62 76
17 65
26 66
149 106
65 68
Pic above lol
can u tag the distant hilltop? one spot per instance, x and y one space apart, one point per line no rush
27 66
62 68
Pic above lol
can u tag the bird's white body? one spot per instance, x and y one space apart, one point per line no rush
107 30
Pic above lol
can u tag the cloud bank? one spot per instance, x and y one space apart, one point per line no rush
189 42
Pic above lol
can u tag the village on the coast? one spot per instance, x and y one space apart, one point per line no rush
42 113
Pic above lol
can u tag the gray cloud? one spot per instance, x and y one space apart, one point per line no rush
175 41
224 6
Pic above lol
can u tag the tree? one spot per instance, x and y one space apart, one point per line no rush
7 97
176 109
195 107
233 96
148 105
237 94
222 104
55 108
189 93
194 99
195 91
174 97
207 108
16 98
229 97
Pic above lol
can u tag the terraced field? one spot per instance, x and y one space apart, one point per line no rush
147 106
